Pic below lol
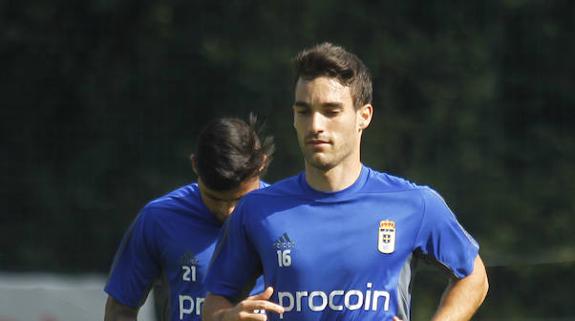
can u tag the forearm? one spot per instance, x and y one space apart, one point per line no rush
214 308
463 297
115 311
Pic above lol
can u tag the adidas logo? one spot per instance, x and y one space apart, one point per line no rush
284 242
188 259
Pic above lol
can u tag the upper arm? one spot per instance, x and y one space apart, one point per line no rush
464 296
442 239
137 262
477 279
235 263
116 311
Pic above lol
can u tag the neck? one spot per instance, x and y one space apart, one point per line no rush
334 179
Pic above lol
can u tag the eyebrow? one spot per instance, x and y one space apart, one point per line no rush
301 104
324 105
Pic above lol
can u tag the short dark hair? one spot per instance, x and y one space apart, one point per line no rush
230 151
327 59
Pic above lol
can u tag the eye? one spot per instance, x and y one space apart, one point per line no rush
332 112
301 111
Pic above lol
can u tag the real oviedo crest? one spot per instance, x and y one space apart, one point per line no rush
386 237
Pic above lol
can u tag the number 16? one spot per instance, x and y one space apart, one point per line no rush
284 258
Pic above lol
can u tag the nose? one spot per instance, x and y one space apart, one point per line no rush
317 122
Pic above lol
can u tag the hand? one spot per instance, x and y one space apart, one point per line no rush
245 310
396 319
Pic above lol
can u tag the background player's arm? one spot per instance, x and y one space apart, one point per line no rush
463 296
116 311
219 308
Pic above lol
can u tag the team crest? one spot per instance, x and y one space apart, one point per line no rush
386 237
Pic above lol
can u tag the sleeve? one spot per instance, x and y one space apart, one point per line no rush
259 287
442 239
235 264
136 264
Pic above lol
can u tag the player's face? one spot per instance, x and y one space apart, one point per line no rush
222 203
327 124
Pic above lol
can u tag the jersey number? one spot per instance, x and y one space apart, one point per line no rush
189 273
284 258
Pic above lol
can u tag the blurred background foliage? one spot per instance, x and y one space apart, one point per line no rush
102 101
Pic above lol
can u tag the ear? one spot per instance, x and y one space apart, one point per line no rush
264 161
365 113
194 163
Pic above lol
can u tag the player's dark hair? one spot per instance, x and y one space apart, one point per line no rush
333 61
230 150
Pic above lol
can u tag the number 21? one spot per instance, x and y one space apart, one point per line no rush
189 273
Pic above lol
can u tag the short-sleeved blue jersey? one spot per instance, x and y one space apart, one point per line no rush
172 240
346 255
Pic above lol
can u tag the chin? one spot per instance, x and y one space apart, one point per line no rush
320 163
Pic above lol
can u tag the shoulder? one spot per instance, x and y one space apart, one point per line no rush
285 187
384 182
268 199
422 196
182 197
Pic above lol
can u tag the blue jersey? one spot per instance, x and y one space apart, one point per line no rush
346 255
172 240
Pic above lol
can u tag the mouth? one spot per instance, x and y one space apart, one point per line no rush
317 142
